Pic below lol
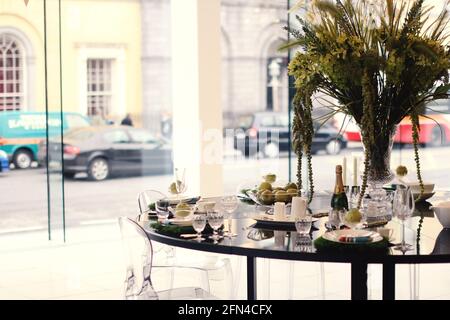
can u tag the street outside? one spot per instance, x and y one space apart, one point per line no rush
23 193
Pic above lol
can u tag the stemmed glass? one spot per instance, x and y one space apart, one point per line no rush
229 204
199 224
403 207
180 182
215 220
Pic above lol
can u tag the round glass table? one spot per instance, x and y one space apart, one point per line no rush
254 240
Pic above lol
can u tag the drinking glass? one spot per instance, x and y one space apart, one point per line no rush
303 225
199 224
180 182
229 204
403 207
215 220
334 219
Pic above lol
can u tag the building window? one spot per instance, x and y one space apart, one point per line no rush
11 74
99 92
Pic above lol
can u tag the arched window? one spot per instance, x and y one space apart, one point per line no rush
11 74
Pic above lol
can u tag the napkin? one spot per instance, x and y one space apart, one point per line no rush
351 239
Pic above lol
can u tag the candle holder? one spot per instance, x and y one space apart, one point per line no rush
354 196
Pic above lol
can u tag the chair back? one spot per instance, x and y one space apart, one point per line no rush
138 252
148 197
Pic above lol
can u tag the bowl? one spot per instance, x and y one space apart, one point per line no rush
415 187
185 213
442 211
204 206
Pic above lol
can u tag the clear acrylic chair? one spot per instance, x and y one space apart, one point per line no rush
218 268
162 253
138 252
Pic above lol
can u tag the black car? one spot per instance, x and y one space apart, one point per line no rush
105 151
268 132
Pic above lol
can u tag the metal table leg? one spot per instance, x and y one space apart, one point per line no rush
388 281
359 281
251 278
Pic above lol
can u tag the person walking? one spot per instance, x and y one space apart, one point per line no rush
127 121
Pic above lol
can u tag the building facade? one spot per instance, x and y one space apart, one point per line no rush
116 57
101 57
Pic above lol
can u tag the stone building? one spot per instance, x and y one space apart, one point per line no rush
254 76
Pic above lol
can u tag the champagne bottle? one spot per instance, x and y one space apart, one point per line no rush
339 200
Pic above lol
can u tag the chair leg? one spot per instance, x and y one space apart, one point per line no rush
414 280
204 280
228 279
322 280
290 279
266 276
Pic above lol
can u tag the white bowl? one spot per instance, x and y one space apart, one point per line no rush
442 211
415 187
205 206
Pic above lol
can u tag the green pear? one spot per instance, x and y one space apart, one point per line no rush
267 197
281 196
265 186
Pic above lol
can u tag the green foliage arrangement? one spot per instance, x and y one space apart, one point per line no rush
377 62
323 245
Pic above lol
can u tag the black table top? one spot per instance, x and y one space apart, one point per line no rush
255 240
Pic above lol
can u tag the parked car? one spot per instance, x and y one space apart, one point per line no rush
434 128
4 161
21 132
107 151
268 132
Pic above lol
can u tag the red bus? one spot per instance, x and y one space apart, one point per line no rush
434 128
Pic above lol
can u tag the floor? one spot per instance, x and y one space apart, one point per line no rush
89 268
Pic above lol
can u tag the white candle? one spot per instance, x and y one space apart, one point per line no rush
279 211
344 171
279 238
298 207
355 171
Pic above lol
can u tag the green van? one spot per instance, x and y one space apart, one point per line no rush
21 132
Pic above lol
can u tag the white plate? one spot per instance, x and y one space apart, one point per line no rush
426 195
180 222
335 235
271 218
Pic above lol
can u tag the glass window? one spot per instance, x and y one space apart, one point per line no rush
116 136
267 121
245 122
76 121
79 134
11 74
99 87
141 136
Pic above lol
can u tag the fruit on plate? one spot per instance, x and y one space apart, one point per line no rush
353 216
281 196
291 185
270 178
173 188
278 189
182 210
401 171
292 192
265 186
267 197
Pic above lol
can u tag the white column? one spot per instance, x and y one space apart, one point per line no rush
196 91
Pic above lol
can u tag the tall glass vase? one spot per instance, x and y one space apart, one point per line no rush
377 203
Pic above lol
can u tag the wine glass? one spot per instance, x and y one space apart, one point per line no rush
215 220
334 219
180 181
199 224
403 207
229 204
303 225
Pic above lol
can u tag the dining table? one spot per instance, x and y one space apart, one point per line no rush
255 240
